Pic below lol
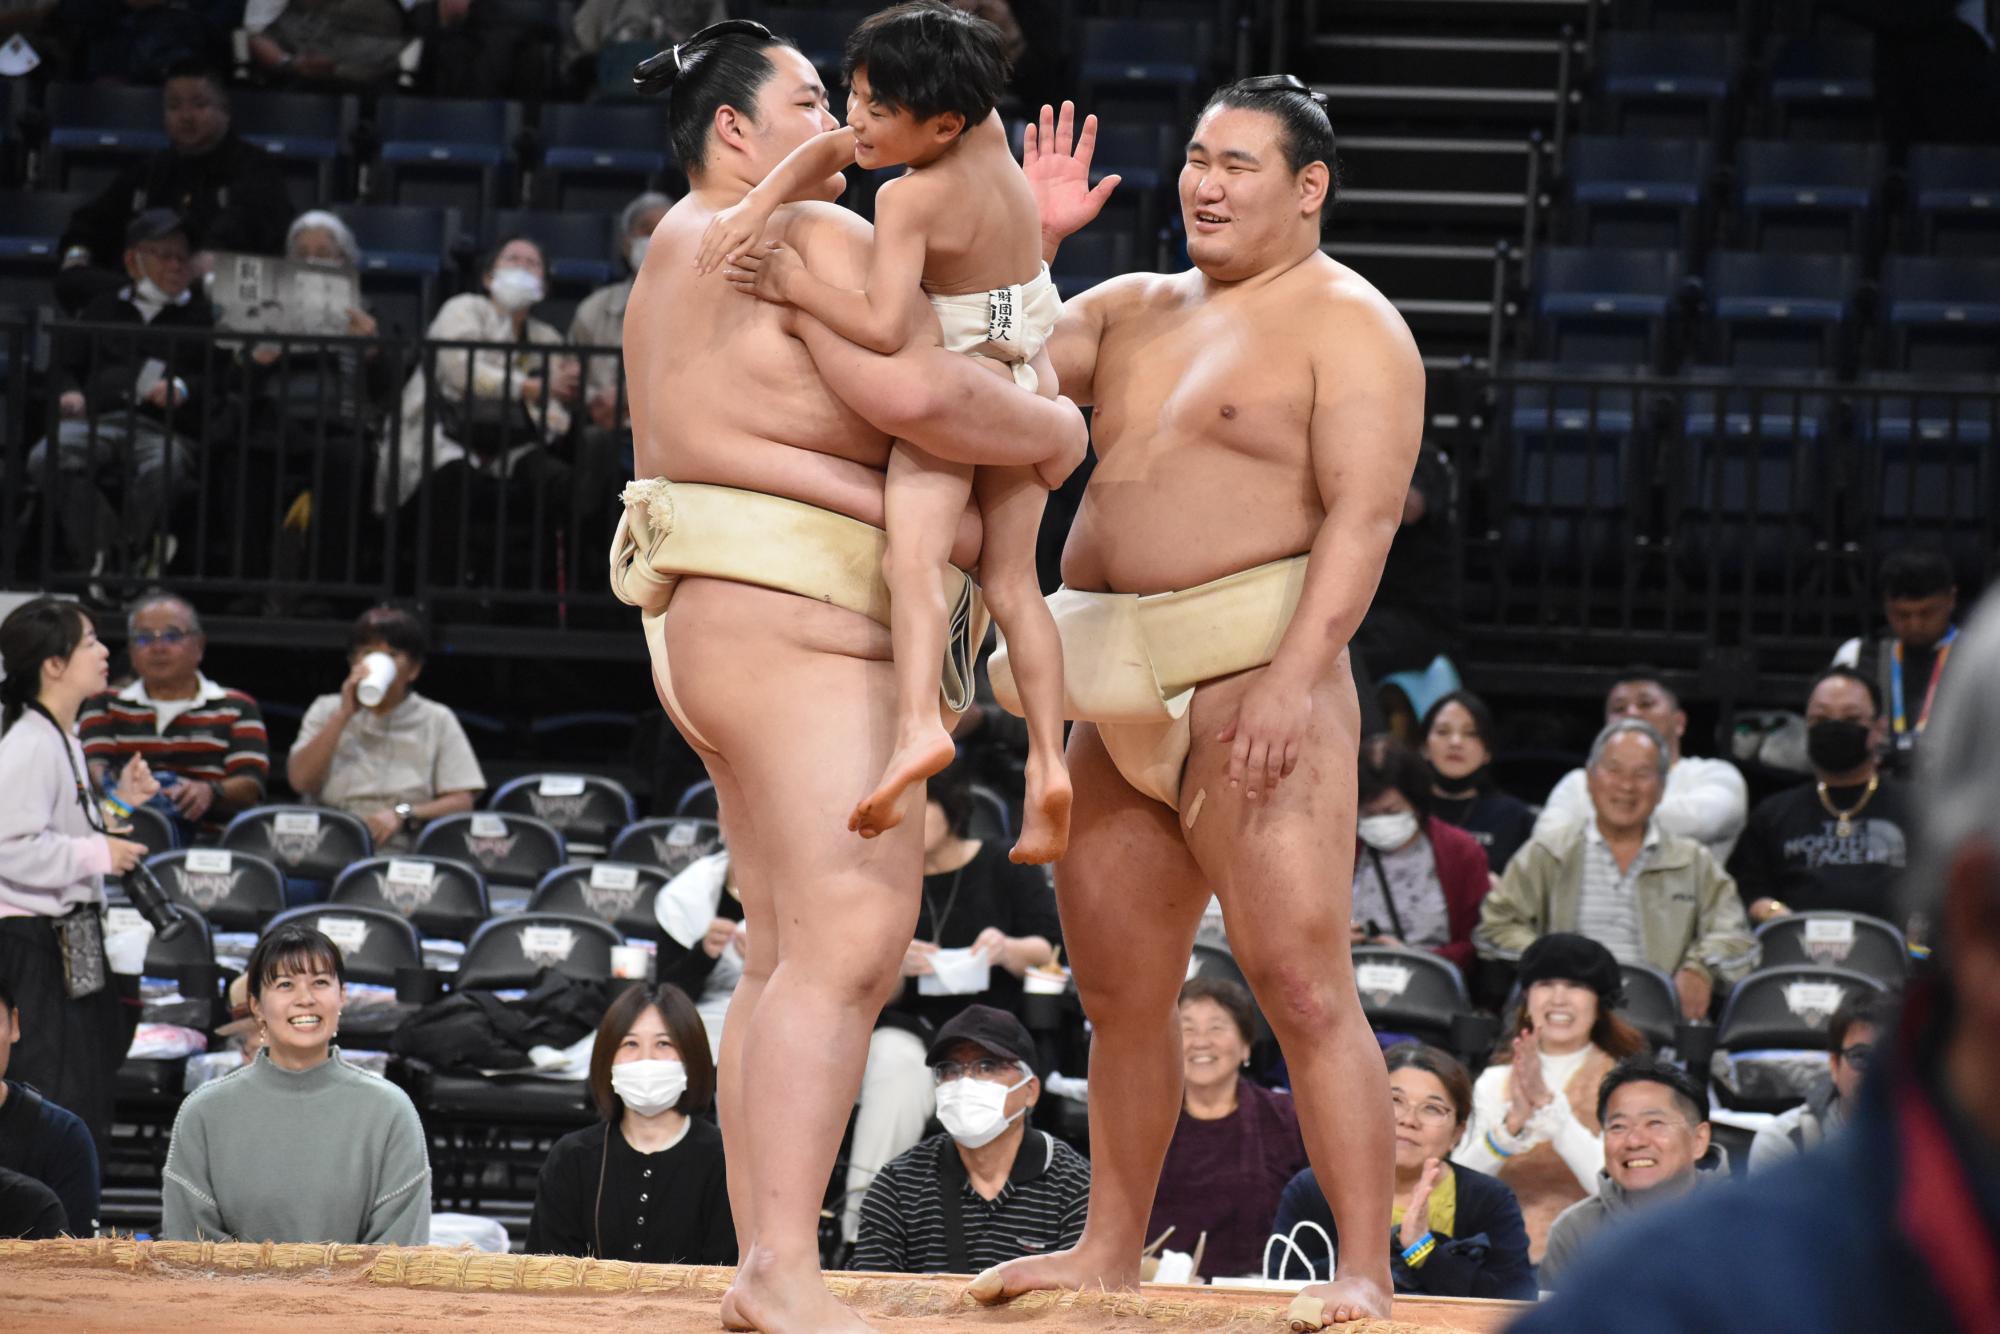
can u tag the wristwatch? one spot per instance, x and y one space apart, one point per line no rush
408 815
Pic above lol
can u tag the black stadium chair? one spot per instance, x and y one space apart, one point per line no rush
598 155
1410 991
1668 82
304 131
1771 1015
1943 314
1651 1004
672 844
31 226
373 944
586 809
1853 941
444 899
444 151
1954 198
508 849
1807 197
578 247
513 951
306 842
1636 192
698 801
154 829
96 129
236 891
619 893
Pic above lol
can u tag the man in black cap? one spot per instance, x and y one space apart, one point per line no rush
988 1190
230 194
129 404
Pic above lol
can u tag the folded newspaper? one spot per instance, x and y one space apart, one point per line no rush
260 294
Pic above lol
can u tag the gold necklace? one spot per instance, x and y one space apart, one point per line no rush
1844 820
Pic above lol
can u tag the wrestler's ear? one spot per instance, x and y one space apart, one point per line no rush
1313 179
732 127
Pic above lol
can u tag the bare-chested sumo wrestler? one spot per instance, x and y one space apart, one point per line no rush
752 545
1256 423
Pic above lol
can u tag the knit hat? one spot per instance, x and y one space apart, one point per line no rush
1564 957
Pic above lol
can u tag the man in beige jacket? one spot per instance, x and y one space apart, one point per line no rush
1646 895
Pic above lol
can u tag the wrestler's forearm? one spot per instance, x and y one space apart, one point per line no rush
859 317
1341 575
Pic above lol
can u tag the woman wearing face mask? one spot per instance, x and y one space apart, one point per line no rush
54 854
1418 881
1455 1232
499 406
1457 736
1534 1109
297 1145
647 1183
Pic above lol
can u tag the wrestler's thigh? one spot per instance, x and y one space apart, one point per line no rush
737 817
1282 865
1130 894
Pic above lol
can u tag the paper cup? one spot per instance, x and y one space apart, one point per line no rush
631 961
1035 982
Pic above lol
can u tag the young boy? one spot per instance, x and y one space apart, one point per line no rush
962 221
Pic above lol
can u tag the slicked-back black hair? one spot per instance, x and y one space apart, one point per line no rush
726 70
927 58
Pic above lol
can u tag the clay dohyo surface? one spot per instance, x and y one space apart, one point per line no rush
124 1286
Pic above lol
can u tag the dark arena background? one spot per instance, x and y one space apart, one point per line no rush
1707 293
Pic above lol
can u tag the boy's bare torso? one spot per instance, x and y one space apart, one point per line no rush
982 229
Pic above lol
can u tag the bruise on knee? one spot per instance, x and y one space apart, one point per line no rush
1297 995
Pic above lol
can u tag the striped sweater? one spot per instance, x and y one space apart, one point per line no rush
1039 1210
217 735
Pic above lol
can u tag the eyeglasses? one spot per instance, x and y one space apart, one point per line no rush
1435 1113
988 1068
650 75
172 637
1281 83
1861 1055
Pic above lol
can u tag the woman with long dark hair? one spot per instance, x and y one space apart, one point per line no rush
1457 738
58 840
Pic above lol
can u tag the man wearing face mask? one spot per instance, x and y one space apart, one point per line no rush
129 404
1839 842
989 1189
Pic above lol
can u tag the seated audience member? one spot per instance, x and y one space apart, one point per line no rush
1408 624
1851 1036
204 743
646 1183
1887 1227
1458 745
1906 664
331 45
131 407
1705 799
29 1210
298 1145
1236 1143
230 193
397 764
989 1189
1656 1149
709 969
602 23
1645 894
976 900
1417 880
1534 1111
1455 1232
1841 841
41 1141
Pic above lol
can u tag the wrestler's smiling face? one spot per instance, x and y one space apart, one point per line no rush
791 108
1245 209
886 135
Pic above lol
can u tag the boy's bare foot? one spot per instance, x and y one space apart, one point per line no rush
1336 1303
1044 817
1071 1271
915 760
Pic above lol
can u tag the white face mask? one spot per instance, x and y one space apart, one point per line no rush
514 289
974 1111
635 251
1386 833
150 293
649 1087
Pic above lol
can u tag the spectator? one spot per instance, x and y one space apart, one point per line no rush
1840 842
1645 894
55 848
1457 1232
989 1189
1656 1148
1906 665
1409 623
1886 1227
1236 1144
489 48
397 764
41 1140
1458 744
1534 1111
982 910
1705 800
1418 881
250 1158
602 23
653 1156
128 405
230 193
705 890
1851 1036
331 45
204 743
498 412
29 1210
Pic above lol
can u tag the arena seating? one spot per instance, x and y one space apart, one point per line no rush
508 849
620 893
375 945
441 896
236 891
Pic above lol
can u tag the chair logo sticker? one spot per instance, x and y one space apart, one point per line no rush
1828 941
295 836
547 946
1814 1002
1382 983
489 842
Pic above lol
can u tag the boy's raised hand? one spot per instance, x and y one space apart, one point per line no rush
1056 162
733 232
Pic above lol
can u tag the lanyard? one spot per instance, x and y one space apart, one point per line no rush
91 813
1930 692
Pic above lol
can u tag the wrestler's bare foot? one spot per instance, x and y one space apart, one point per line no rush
763 1299
917 757
1336 1303
1044 815
1071 1270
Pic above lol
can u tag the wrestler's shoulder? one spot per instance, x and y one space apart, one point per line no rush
1133 293
1343 308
